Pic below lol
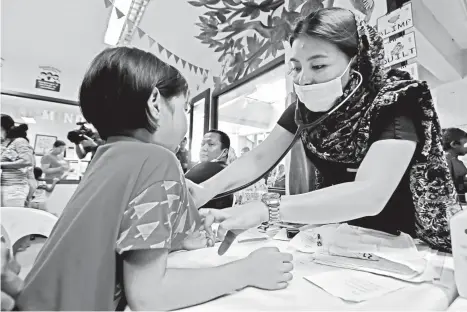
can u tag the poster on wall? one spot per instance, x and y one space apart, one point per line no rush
48 79
412 69
400 50
396 21
43 144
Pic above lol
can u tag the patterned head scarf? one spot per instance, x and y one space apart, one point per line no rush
345 136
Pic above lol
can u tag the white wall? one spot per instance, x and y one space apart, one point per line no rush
451 103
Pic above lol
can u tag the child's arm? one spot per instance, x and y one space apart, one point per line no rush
150 285
49 188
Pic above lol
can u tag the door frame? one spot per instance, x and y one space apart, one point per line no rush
206 95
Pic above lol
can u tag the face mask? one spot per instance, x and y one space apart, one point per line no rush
218 158
321 97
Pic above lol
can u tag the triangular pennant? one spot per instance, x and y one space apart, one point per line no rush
142 209
190 66
119 13
145 230
207 72
161 48
196 69
169 54
141 32
176 59
183 63
201 70
107 3
151 41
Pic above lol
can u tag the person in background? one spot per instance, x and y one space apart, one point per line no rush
213 157
31 180
109 249
39 198
88 145
244 150
279 180
16 158
53 164
455 146
378 154
183 155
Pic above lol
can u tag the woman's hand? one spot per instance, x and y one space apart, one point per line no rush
236 219
199 194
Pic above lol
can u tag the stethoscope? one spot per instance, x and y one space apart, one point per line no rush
301 128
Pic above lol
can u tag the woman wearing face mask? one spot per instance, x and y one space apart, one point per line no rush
379 157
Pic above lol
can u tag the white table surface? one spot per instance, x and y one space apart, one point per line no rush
303 295
460 304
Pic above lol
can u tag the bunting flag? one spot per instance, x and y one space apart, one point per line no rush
152 41
119 13
107 3
141 32
161 48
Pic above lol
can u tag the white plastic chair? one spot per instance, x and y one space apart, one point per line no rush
21 222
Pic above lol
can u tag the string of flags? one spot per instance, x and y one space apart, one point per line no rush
152 42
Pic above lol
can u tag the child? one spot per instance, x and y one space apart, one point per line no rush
39 197
132 207
455 146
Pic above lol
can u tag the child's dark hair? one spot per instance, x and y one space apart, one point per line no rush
451 135
116 88
37 172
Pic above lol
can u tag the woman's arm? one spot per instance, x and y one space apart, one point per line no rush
80 152
25 154
18 164
377 178
252 165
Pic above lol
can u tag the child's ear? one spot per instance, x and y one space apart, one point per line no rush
154 105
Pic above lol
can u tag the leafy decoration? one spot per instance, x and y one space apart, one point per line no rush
226 27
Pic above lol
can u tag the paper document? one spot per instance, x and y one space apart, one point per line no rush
355 286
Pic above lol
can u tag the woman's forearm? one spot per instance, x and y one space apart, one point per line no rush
181 288
338 203
18 164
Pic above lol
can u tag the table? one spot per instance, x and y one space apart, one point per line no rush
460 304
303 295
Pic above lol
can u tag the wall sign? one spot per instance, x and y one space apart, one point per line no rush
400 50
48 79
43 144
396 21
412 69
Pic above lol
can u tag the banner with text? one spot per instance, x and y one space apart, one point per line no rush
400 50
396 21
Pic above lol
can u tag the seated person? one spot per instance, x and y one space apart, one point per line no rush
455 146
110 247
184 155
213 159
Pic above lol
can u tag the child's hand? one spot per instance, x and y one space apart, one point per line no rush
196 240
55 180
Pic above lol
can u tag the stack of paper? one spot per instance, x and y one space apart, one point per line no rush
355 286
367 250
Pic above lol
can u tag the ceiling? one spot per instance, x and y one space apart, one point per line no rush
67 34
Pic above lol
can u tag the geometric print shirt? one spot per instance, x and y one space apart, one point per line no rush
161 216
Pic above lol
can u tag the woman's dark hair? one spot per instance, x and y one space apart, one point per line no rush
452 135
116 88
12 131
335 25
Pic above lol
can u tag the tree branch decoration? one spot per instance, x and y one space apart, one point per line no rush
224 24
